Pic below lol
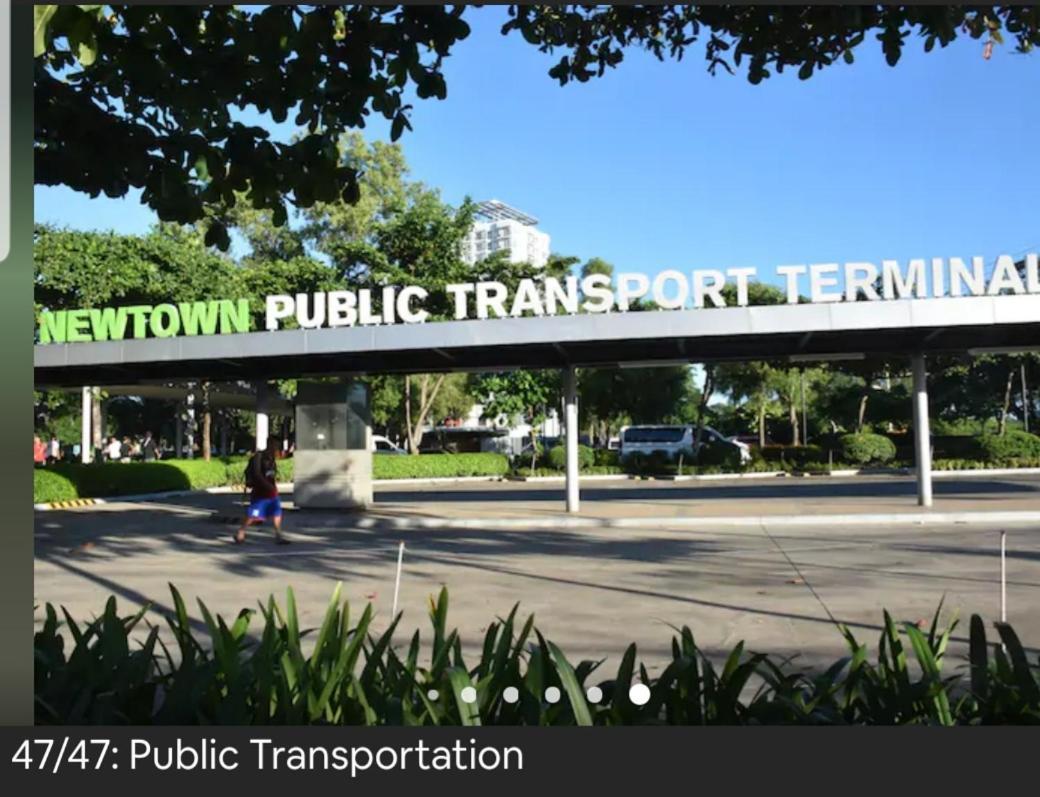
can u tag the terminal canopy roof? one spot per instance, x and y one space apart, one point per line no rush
801 332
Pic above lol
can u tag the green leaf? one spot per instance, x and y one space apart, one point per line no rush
575 693
41 21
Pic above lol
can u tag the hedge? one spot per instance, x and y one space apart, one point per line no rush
438 466
66 481
866 448
1011 446
558 457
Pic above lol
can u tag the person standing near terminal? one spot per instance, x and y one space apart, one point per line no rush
149 450
114 449
39 451
264 503
53 450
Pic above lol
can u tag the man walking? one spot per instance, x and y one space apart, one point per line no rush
261 479
149 451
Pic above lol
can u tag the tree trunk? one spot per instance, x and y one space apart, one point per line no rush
761 425
793 417
1025 400
1006 407
427 396
862 416
702 406
207 423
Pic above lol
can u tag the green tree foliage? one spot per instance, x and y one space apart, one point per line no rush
146 97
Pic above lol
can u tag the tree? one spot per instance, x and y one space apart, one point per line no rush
144 97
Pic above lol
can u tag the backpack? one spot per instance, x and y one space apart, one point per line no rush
250 482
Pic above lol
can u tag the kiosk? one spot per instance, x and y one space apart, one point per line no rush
333 458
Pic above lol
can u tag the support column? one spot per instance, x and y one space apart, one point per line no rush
922 432
224 435
570 398
262 420
86 442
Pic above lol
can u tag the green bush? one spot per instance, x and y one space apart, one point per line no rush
1010 447
130 478
866 448
49 486
605 457
438 466
106 673
558 457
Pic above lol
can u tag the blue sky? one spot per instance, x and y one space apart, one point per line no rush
660 165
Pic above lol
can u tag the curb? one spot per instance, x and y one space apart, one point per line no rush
73 504
755 521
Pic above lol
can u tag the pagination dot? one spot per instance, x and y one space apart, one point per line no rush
639 694
552 695
510 694
468 694
594 694
433 694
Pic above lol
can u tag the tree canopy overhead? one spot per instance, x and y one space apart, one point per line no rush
144 96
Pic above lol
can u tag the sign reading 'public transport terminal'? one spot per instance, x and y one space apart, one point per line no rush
595 293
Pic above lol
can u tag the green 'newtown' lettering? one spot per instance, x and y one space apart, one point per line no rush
108 323
52 326
199 317
139 321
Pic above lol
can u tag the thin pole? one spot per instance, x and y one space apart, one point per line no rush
1003 576
922 436
1025 399
397 581
805 414
570 389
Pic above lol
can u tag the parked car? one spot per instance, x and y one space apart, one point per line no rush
381 445
674 440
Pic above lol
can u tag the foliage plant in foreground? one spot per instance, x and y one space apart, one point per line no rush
263 668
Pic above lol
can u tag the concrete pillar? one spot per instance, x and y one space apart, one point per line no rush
86 442
263 421
570 398
922 432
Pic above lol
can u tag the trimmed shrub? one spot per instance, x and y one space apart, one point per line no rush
866 448
1010 447
439 466
558 457
134 478
604 457
49 486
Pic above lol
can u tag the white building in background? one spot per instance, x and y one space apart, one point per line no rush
499 227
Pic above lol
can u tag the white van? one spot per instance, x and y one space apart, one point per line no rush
673 441
380 445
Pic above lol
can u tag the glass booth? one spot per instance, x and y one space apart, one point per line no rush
333 460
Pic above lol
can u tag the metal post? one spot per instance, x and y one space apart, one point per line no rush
805 413
1003 576
570 397
189 402
262 419
922 433
1025 399
85 440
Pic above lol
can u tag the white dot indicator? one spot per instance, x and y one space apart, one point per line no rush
433 694
594 694
552 695
510 694
468 694
639 694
